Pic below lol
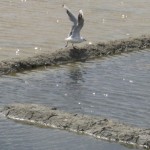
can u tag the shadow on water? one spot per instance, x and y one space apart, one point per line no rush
114 87
76 74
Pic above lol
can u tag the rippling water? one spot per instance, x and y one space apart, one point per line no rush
17 136
116 87
29 27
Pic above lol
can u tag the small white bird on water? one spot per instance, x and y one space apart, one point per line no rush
74 35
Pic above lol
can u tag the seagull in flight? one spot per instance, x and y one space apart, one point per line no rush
74 35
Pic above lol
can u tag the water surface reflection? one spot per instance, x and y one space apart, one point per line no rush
31 27
116 87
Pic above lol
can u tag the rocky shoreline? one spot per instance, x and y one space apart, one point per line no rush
70 54
96 126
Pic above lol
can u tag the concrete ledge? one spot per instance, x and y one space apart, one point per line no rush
97 127
70 54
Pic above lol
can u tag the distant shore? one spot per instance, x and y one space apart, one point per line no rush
96 126
70 54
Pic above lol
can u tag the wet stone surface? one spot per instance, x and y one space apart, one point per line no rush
72 54
95 126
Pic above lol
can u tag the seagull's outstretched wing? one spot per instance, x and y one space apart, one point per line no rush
77 29
72 18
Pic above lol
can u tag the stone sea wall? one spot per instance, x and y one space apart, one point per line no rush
70 54
96 126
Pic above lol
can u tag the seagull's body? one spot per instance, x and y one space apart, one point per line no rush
74 35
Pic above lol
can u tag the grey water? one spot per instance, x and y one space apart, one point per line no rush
117 87
30 27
